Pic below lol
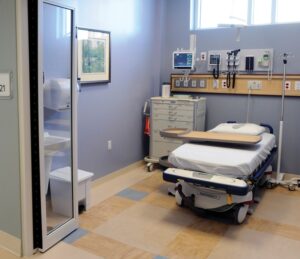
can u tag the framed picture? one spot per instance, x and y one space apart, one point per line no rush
93 56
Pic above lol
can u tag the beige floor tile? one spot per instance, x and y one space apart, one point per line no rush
197 240
150 228
107 189
65 251
152 183
161 199
240 242
109 248
7 255
262 225
279 208
103 212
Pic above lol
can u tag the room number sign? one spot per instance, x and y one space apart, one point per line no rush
5 85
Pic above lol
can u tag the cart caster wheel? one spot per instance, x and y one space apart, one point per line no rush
292 187
150 167
240 213
270 185
178 198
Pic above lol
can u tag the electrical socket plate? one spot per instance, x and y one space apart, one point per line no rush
202 84
203 56
194 83
288 85
224 84
297 85
254 84
215 83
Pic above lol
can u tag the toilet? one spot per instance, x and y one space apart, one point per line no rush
61 190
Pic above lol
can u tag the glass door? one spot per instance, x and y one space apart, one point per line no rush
57 109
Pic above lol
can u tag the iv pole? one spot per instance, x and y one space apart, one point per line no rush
279 175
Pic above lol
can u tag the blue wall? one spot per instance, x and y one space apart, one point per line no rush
143 38
220 108
114 111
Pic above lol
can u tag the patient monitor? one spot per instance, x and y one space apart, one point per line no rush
183 59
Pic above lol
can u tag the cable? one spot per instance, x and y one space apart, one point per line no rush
248 105
228 79
216 72
228 76
234 53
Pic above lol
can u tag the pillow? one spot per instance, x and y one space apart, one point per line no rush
239 128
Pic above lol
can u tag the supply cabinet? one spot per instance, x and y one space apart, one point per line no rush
173 113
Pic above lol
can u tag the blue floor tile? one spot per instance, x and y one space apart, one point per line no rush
160 257
75 235
132 194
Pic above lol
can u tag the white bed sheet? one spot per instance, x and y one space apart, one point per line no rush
232 161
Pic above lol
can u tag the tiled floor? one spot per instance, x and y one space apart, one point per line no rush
137 219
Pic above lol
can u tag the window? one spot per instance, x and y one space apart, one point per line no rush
217 13
287 11
261 12
228 11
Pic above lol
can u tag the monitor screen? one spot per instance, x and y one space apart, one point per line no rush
183 60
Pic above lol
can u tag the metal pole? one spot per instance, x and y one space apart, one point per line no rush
278 174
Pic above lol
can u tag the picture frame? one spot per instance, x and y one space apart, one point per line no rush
94 57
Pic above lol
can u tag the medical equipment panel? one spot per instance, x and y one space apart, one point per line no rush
262 60
257 84
173 113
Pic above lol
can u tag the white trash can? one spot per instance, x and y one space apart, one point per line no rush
61 191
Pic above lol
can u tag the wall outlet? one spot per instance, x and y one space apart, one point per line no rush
215 83
194 83
109 145
186 83
254 84
288 85
203 56
297 85
202 83
224 84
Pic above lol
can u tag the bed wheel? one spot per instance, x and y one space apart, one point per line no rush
292 187
270 185
240 213
150 167
178 197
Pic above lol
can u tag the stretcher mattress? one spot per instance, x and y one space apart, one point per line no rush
233 161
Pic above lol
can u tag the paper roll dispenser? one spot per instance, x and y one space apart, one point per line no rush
57 94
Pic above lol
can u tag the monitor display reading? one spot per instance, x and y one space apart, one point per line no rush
183 60
214 59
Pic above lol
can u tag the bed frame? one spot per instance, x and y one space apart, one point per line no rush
237 194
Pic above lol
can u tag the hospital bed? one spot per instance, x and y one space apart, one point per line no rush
221 175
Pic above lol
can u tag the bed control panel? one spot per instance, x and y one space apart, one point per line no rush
217 179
